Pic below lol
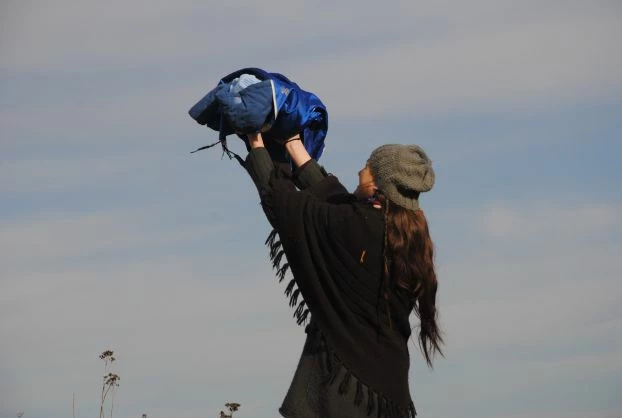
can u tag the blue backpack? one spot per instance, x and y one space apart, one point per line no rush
275 106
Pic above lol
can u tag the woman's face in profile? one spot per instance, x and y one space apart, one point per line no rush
367 186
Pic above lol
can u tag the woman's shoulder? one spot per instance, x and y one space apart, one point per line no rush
357 220
349 203
368 210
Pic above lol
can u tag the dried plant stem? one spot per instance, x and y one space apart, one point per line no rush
101 404
109 384
114 392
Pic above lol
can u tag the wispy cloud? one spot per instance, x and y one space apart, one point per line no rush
110 240
52 240
542 220
536 54
538 62
535 309
564 414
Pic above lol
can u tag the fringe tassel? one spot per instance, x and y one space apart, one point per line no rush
345 382
271 237
332 376
290 288
358 397
395 411
276 260
293 300
382 407
303 318
277 254
281 272
387 408
327 356
412 411
299 309
370 401
275 246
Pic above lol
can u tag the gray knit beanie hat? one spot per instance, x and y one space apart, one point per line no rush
401 172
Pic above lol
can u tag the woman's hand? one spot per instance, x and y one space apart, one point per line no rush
293 146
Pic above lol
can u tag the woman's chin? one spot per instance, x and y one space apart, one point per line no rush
362 194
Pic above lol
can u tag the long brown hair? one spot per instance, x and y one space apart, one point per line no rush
409 268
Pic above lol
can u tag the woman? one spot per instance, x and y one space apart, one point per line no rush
361 264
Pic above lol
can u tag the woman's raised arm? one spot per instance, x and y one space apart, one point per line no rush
296 150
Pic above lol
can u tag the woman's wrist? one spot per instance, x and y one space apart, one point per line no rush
255 140
295 138
297 151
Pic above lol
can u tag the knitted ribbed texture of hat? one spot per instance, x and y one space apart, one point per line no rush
401 172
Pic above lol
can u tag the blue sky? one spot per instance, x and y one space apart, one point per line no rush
112 236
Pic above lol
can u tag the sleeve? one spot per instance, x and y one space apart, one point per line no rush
259 166
282 203
308 174
276 184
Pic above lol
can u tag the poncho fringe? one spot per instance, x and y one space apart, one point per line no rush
386 408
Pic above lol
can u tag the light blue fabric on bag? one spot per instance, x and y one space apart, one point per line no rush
240 83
